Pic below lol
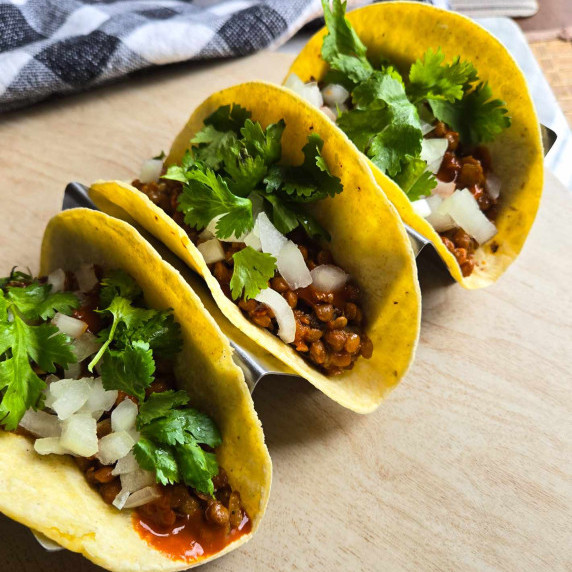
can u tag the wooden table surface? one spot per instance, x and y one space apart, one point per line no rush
466 466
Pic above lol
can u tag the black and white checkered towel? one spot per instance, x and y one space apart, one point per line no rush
58 46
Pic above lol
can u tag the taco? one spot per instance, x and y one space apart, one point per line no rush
273 207
444 115
128 432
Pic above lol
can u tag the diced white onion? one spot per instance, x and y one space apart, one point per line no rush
440 222
142 497
73 371
421 207
206 234
292 266
426 127
86 278
151 171
126 464
282 312
308 91
294 83
41 423
124 415
493 185
137 480
57 280
70 326
330 113
432 152
443 190
211 250
253 240
99 399
49 446
114 446
462 207
79 435
120 500
135 435
335 94
271 239
72 398
328 278
85 346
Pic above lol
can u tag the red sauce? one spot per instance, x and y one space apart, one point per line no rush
191 538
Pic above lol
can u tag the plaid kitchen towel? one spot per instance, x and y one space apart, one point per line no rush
58 46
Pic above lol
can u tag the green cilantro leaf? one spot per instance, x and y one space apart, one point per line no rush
37 301
430 78
283 217
211 145
267 144
197 467
477 117
160 460
159 404
206 196
117 283
228 118
179 172
415 181
171 438
252 271
21 344
130 370
342 48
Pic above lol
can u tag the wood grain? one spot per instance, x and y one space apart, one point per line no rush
468 463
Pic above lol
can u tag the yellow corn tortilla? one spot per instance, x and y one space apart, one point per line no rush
368 241
402 32
50 494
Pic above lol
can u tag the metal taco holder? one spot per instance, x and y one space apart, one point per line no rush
255 362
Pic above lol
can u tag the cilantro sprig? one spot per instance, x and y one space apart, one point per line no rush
171 439
384 121
27 347
135 335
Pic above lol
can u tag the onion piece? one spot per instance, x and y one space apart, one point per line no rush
85 346
142 497
79 435
211 228
335 94
124 415
86 278
329 112
444 190
49 446
294 83
493 185
70 326
439 222
120 500
137 480
421 207
73 371
253 240
72 394
462 207
432 152
126 464
282 312
206 234
426 127
99 400
151 170
271 239
41 423
211 250
308 91
292 266
328 278
57 280
114 446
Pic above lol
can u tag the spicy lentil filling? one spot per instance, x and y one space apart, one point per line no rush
329 324
215 520
467 169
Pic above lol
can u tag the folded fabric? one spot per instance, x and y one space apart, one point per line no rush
59 46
